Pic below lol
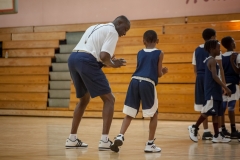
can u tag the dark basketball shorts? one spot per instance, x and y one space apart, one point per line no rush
141 90
213 108
199 93
87 75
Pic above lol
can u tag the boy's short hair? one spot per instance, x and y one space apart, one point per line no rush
226 42
210 44
208 33
150 36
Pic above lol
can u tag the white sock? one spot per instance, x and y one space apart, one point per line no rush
150 141
206 130
72 137
220 129
104 137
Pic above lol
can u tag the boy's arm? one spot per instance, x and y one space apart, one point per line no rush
195 70
194 64
212 67
221 70
232 60
161 70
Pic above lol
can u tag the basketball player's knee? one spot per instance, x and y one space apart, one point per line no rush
85 99
109 99
231 106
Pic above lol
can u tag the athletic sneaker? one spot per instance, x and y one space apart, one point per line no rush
75 144
118 141
226 133
104 146
207 136
220 138
193 133
235 135
151 148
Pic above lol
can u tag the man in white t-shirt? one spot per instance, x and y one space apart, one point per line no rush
95 50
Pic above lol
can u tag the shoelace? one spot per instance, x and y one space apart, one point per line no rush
195 132
153 146
153 141
221 133
79 143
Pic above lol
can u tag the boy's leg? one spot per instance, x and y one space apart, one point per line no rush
131 107
205 124
218 111
153 126
148 94
150 146
215 125
199 102
231 114
207 135
118 141
193 130
125 124
224 106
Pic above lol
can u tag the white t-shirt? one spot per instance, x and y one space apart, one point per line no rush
230 53
202 46
99 38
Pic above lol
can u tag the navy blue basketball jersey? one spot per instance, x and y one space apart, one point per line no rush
147 65
212 90
200 55
230 75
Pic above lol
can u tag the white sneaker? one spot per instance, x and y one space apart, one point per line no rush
104 146
220 139
151 148
75 144
193 132
118 141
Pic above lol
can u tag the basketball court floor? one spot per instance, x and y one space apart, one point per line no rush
43 138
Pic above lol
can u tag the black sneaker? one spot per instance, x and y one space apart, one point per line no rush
226 133
207 136
235 135
118 141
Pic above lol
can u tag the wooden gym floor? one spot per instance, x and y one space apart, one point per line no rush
40 138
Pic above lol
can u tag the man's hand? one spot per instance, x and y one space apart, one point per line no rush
118 62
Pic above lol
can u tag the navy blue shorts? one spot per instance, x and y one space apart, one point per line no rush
213 108
87 75
199 89
144 92
199 92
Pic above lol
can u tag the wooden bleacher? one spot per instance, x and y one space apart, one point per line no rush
24 75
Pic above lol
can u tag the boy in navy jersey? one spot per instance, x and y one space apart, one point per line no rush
199 56
232 81
212 94
142 88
